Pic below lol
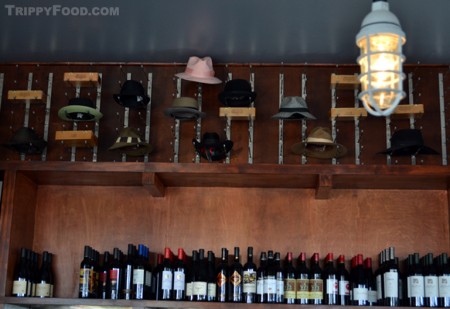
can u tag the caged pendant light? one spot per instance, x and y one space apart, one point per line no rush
381 60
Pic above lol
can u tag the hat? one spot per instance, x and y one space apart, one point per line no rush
199 70
132 95
408 142
293 108
237 93
25 140
319 145
130 143
80 109
184 108
211 148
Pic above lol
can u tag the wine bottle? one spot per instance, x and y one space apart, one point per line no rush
431 282
390 280
20 280
116 275
302 295
235 282
415 282
86 274
444 281
148 278
270 280
191 276
315 282
211 274
260 277
128 270
34 273
95 272
330 281
165 277
249 275
103 276
371 282
155 285
290 281
179 276
359 283
52 277
343 278
139 273
222 274
200 284
279 277
379 278
43 286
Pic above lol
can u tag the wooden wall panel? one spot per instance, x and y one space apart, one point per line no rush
351 222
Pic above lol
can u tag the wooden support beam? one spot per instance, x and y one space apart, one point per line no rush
153 184
344 81
26 95
238 113
406 110
79 138
347 113
324 186
82 79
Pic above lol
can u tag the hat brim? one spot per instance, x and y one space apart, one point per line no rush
409 151
122 145
132 149
319 150
184 113
293 116
34 147
131 100
204 80
226 98
64 111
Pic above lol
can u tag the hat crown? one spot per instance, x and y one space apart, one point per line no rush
82 102
407 137
210 138
200 67
185 102
24 135
132 87
320 135
238 85
129 132
293 102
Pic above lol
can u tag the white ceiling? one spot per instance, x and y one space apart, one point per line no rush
269 31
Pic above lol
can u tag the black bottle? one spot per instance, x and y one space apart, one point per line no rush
359 284
103 276
270 279
45 277
200 284
139 273
222 275
444 281
391 280
128 270
279 277
235 281
371 282
315 282
431 282
21 276
211 274
330 281
155 285
343 278
416 282
85 288
116 275
290 281
260 277
249 277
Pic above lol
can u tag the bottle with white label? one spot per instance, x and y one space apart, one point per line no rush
315 282
165 277
330 281
431 282
415 282
279 277
249 279
391 280
179 277
138 274
342 276
359 283
200 284
270 281
444 281
260 277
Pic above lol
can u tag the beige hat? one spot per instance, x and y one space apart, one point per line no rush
319 144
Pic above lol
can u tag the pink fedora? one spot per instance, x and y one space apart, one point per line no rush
199 70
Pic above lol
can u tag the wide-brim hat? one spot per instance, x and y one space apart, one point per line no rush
199 70
211 148
80 109
319 144
132 95
130 143
408 142
25 140
237 93
184 108
293 107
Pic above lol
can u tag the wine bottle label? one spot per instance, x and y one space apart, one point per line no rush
260 286
249 285
235 278
199 288
51 290
43 290
416 287
19 287
302 288
332 286
315 288
167 278
85 281
212 290
379 287
148 278
344 287
179 279
188 289
444 286
280 287
360 294
290 287
372 296
431 286
270 285
391 284
138 276
221 279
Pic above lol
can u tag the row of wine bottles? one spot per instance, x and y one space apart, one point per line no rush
30 280
202 278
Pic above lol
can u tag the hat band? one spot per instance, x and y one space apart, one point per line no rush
204 74
313 140
128 139
293 109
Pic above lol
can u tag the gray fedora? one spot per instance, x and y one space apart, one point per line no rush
293 108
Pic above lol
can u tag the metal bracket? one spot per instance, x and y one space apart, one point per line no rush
47 113
280 122
96 125
1 88
148 111
388 138
357 131
198 124
176 143
411 102
304 127
442 113
333 120
126 116
251 123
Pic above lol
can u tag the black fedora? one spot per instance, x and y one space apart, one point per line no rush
132 95
25 140
237 93
211 148
408 142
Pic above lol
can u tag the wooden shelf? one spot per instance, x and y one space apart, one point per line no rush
157 176
27 95
82 79
80 138
347 113
407 110
238 113
344 81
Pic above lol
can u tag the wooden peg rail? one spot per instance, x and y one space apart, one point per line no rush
26 95
81 138
238 113
82 79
